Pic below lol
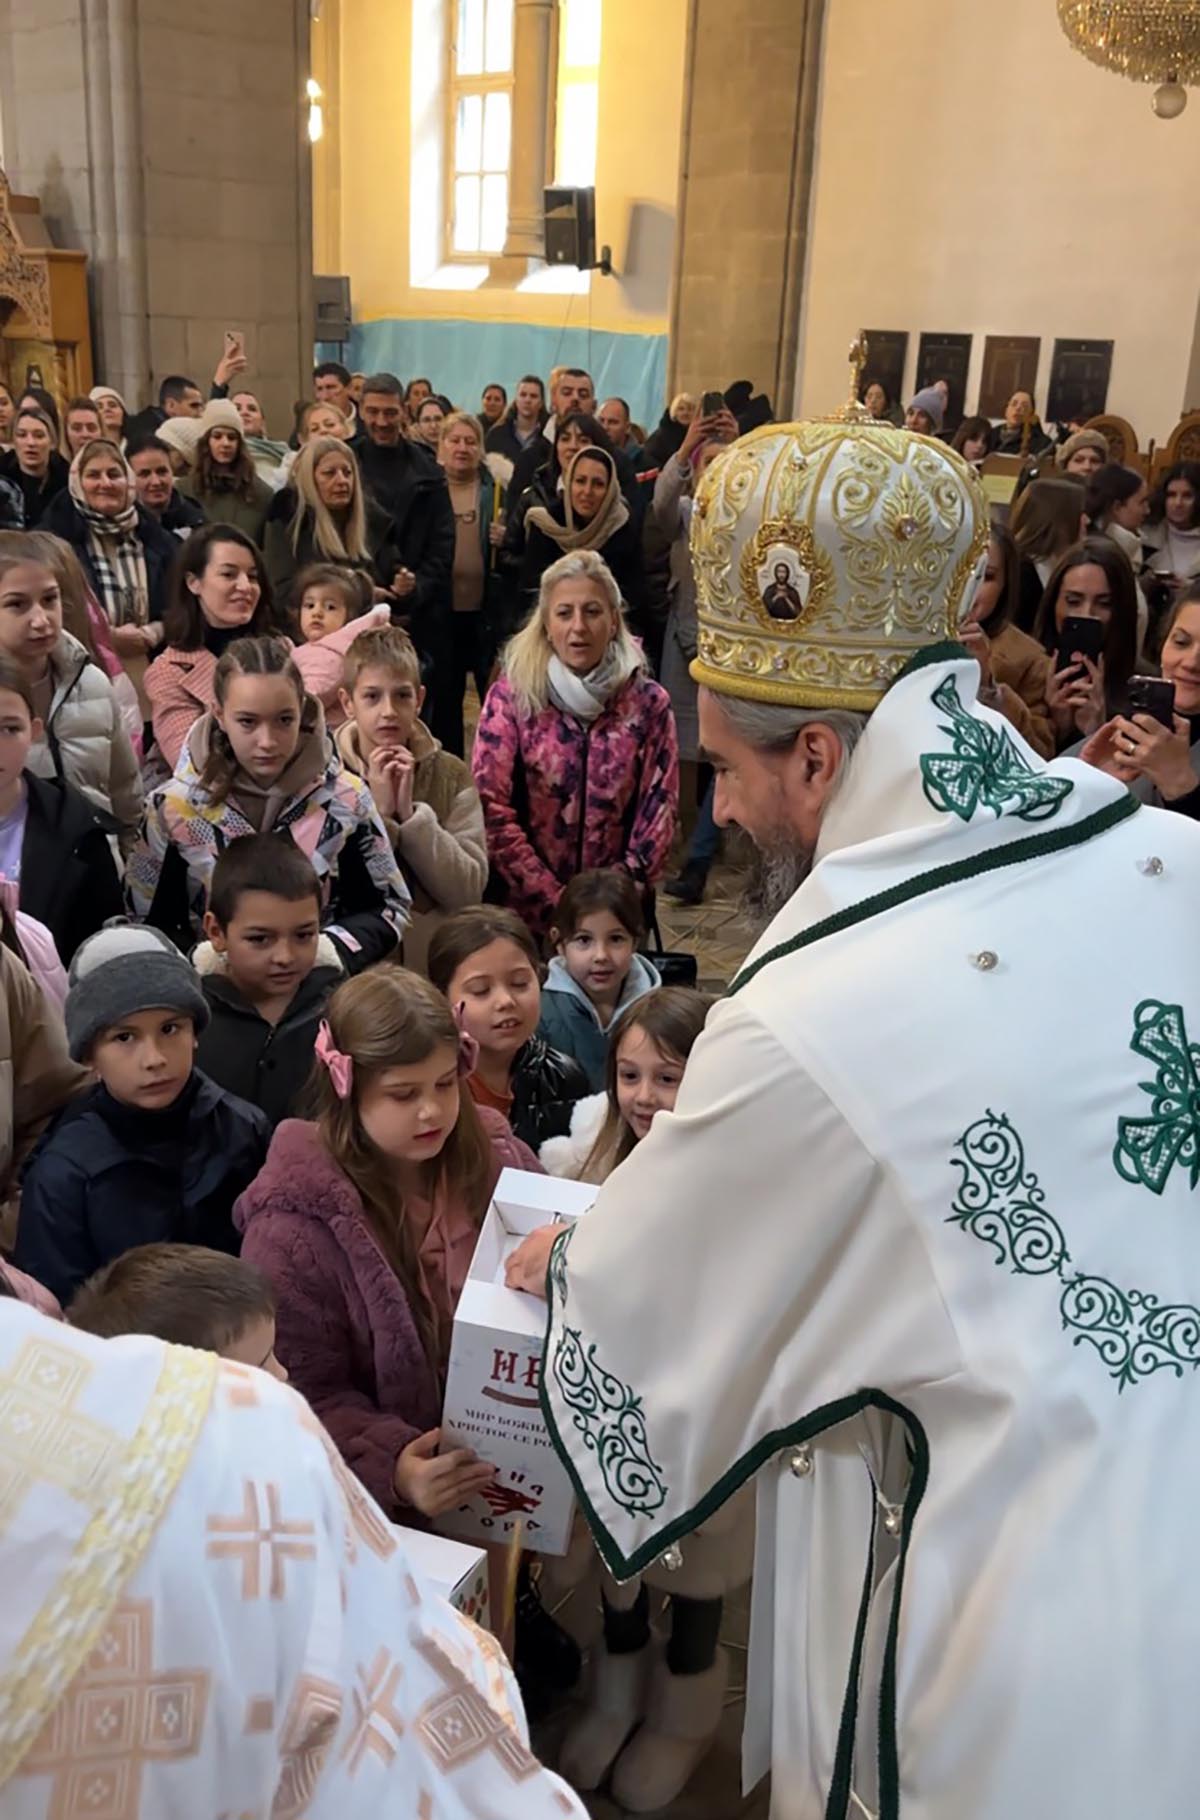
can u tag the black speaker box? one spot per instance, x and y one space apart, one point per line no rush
570 226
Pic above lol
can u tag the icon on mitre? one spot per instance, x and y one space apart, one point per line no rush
783 584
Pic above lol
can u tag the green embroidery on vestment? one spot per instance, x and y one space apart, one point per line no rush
1001 1202
612 1423
985 769
558 1265
1147 1149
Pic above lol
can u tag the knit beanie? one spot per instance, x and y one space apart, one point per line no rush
1082 439
929 400
127 967
107 391
220 414
183 435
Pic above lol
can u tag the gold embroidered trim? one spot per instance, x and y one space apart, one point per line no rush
785 693
142 1479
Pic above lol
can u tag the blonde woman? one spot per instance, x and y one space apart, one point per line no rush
323 515
575 759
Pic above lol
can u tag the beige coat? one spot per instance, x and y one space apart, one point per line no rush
442 847
1020 671
37 1076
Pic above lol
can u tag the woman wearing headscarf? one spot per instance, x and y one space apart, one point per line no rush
125 553
589 514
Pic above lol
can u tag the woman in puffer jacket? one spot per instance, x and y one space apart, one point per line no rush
575 760
84 741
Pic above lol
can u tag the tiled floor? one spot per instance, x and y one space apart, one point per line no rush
716 931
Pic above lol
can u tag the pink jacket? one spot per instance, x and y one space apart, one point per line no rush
560 797
179 684
345 1330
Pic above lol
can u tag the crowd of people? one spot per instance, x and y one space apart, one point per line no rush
236 789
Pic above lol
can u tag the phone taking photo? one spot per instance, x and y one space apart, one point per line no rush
711 403
1078 638
235 342
1151 695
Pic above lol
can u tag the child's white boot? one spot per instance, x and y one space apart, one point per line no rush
616 1699
683 1713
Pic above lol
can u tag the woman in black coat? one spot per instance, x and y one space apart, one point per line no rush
33 464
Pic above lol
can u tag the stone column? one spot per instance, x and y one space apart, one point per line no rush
533 34
170 144
746 163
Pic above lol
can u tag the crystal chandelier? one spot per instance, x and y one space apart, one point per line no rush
1147 40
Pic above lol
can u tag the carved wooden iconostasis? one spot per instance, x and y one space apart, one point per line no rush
45 333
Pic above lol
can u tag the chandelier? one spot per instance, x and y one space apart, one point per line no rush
1146 40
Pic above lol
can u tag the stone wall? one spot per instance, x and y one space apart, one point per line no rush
745 181
169 143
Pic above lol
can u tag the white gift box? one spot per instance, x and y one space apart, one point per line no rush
495 1368
454 1569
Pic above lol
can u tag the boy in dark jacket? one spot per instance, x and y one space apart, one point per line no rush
266 972
154 1151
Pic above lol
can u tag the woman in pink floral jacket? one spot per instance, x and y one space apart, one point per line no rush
575 759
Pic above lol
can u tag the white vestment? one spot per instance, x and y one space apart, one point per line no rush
203 1616
920 1247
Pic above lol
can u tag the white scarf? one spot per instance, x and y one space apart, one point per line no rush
586 696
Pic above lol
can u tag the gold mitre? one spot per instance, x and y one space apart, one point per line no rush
827 554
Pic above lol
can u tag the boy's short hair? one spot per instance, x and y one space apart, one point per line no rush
604 888
260 862
382 648
185 1294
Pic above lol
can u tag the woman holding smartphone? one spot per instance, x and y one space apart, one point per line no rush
1155 749
1088 622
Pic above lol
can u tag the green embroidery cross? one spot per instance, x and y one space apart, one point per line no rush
1147 1149
1001 1202
985 768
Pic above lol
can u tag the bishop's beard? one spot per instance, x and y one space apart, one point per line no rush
780 868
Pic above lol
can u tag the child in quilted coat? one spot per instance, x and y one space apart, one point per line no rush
262 763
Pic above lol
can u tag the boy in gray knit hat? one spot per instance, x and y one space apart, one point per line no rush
155 1151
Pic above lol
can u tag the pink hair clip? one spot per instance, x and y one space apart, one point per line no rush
341 1067
468 1047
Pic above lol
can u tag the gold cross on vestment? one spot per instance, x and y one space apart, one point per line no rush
42 1435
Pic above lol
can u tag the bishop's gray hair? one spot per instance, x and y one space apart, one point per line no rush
774 728
782 862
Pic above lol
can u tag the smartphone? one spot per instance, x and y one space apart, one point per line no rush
1082 636
711 403
1151 695
235 342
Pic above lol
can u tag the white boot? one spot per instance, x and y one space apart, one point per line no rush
682 1716
616 1700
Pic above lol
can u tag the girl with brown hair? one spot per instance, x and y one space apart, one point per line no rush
487 963
225 482
365 1222
1048 518
261 762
